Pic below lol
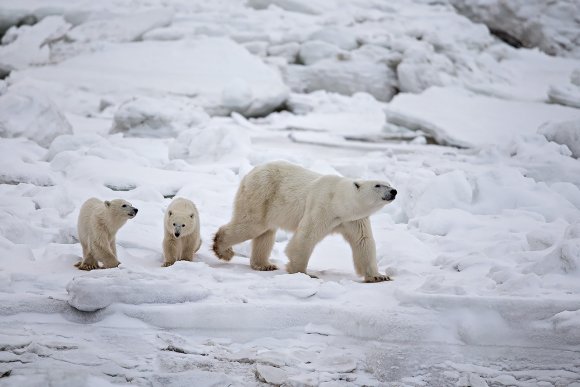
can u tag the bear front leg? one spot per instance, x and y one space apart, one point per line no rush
188 245
169 252
102 251
88 262
310 231
359 236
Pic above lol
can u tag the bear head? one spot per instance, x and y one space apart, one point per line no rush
179 223
120 208
374 193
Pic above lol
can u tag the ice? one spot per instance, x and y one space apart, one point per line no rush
118 69
483 120
27 112
148 100
157 117
552 27
347 75
565 133
122 28
98 290
30 45
210 143
316 50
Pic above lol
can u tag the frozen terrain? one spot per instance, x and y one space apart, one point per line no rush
148 100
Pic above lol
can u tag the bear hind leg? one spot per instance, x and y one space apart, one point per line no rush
232 234
261 249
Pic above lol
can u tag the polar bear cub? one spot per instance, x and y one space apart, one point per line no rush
282 195
181 238
97 226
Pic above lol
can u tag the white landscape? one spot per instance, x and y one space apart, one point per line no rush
147 100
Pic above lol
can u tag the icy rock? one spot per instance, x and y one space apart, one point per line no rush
30 45
552 26
20 163
316 50
289 51
26 112
422 68
210 143
157 117
272 375
125 28
357 74
441 113
237 95
99 289
199 69
301 6
564 133
339 37
568 95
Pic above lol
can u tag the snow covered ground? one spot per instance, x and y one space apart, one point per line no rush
149 99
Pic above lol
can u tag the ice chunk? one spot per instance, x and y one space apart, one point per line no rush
212 142
565 133
27 112
101 288
458 117
123 28
199 69
29 45
157 117
316 50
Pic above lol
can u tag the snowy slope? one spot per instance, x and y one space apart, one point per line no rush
147 100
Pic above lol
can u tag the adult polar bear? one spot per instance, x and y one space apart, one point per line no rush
282 195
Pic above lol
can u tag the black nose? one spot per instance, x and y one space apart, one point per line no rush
394 192
176 234
136 210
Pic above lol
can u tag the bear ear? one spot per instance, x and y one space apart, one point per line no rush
170 213
357 185
107 203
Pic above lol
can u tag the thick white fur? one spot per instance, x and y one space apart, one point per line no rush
283 195
98 224
181 238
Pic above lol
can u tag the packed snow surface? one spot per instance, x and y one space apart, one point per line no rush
147 100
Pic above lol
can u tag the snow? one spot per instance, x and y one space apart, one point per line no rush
28 113
121 69
479 121
153 99
30 45
553 27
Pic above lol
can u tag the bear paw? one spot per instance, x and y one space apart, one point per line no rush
87 267
377 278
265 267
167 263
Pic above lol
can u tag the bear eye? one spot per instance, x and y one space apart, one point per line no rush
173 224
378 186
124 205
183 225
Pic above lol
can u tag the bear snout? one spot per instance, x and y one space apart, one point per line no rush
177 234
133 213
390 195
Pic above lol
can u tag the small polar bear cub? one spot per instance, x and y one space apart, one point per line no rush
181 238
97 226
282 195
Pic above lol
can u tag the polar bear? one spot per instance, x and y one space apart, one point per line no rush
98 224
181 238
282 195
